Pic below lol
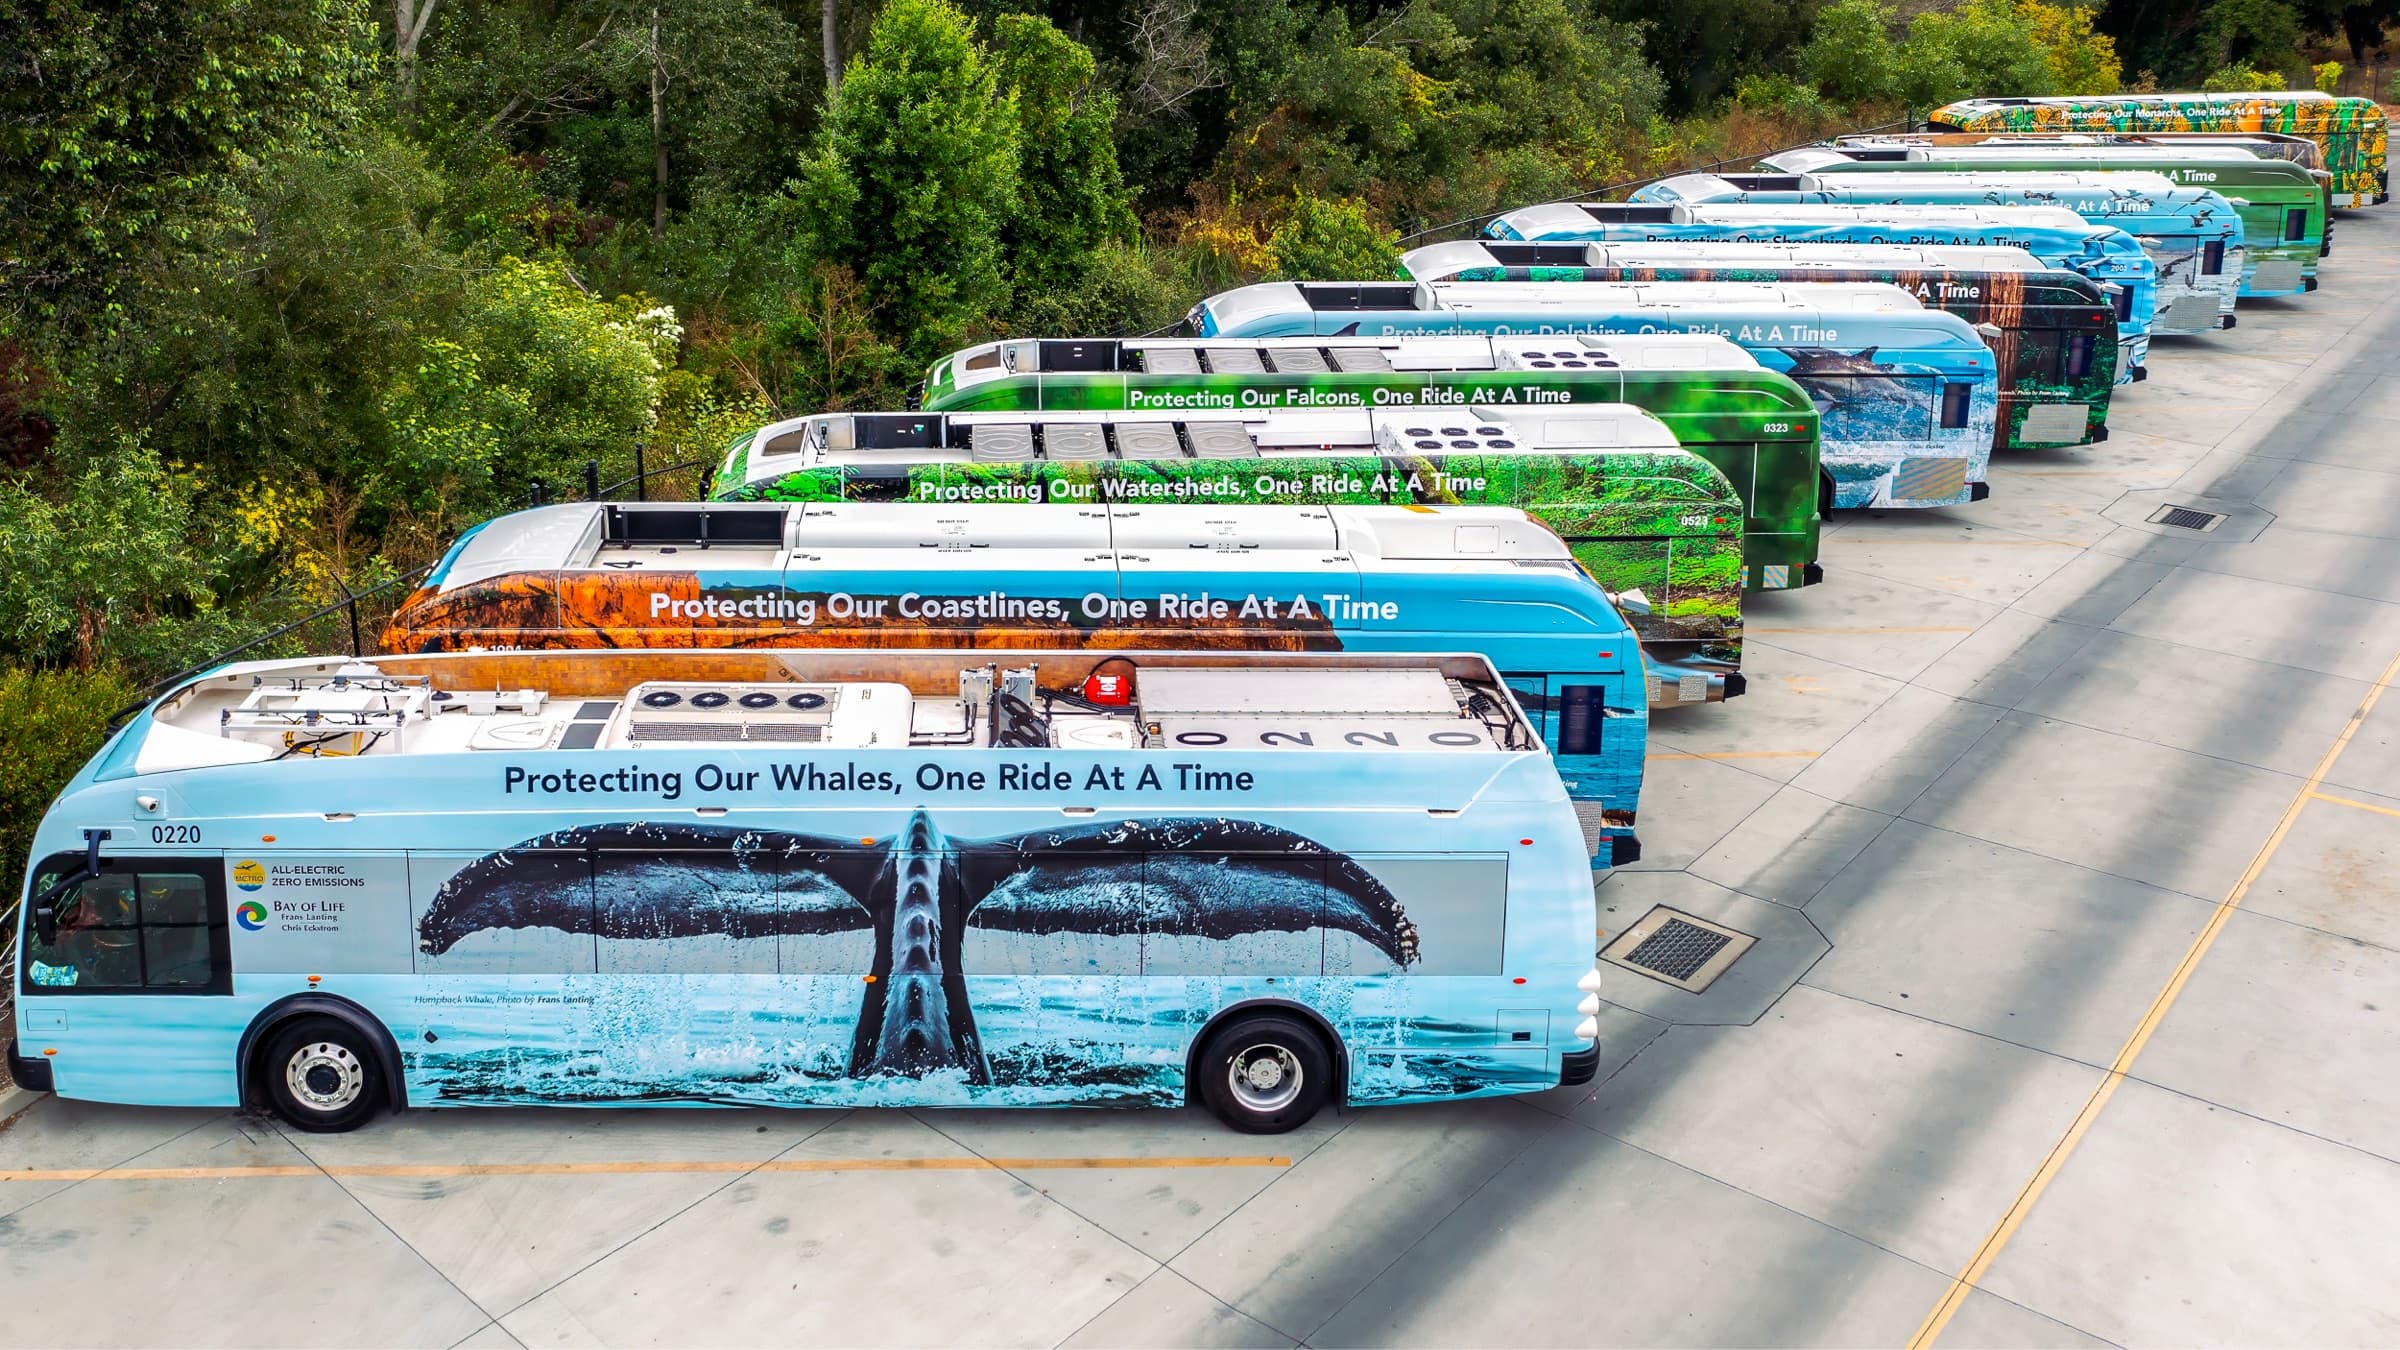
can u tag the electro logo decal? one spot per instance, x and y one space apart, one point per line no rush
249 875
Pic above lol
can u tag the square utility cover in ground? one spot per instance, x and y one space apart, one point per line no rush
1676 948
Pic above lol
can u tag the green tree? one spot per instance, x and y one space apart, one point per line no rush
1324 240
123 120
1072 197
914 176
1703 48
1981 47
2081 61
1849 56
2264 34
102 545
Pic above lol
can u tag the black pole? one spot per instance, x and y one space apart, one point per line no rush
641 475
591 480
351 598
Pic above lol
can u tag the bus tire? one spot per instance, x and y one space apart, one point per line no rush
320 1074
1265 1073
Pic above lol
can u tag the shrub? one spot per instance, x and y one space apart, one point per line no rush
2328 76
2241 77
50 721
1849 53
1325 240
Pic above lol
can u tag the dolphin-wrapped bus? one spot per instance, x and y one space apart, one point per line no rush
1256 882
1095 576
2052 332
2057 236
2193 234
2281 204
1754 424
2353 134
1907 398
1657 527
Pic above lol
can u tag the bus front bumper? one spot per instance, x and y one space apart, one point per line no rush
32 1073
1577 1067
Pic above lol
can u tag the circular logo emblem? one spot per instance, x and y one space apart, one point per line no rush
251 915
249 875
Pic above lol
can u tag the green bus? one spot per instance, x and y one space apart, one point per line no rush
2281 204
1656 526
2351 133
1757 426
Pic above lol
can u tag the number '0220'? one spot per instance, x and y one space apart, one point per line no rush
174 834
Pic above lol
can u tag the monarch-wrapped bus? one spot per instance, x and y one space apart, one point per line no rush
1257 882
2052 332
1657 527
1906 396
2281 205
2058 237
2191 233
2352 133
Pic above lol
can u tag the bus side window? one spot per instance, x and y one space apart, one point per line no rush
131 931
517 911
2295 224
1234 915
2080 347
685 912
1457 908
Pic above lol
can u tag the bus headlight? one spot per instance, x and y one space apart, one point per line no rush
1590 1007
1590 983
1588 1029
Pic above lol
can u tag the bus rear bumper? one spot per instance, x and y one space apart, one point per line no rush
32 1072
1577 1067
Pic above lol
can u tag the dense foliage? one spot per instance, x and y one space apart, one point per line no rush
292 290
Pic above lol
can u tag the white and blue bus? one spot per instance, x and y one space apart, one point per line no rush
1907 398
1253 881
969 574
2052 332
2193 234
2057 236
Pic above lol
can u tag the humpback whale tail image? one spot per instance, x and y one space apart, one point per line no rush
916 893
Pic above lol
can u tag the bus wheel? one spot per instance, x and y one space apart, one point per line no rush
1265 1073
320 1075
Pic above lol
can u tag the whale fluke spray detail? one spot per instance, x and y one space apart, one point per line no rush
917 891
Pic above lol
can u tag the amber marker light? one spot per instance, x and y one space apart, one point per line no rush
266 839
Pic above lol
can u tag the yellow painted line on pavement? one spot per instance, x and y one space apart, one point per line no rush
631 1168
1931 1328
2346 801
1873 628
1735 754
1954 543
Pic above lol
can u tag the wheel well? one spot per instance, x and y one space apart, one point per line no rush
1334 1046
358 1019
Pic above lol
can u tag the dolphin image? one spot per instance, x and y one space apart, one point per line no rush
1831 378
916 891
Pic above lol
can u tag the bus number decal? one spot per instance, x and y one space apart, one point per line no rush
1778 428
174 834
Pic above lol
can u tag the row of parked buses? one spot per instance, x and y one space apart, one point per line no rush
1234 718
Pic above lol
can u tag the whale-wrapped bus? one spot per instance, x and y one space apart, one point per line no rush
1907 398
2057 236
1754 424
1094 577
1257 882
1657 527
2052 332
2193 234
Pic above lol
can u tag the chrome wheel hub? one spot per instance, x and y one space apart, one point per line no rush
323 1076
1265 1078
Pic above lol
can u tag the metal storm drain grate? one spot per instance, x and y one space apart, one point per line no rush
1681 949
2185 518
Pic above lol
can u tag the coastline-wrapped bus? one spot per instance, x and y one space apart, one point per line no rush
1073 577
1260 882
2052 332
1906 397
